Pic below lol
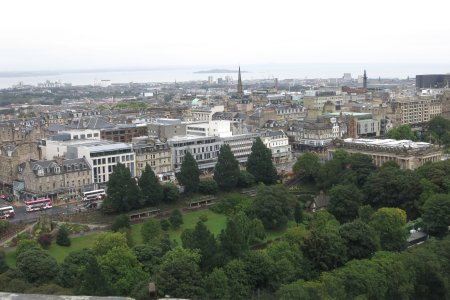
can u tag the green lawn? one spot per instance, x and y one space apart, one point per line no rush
58 252
215 223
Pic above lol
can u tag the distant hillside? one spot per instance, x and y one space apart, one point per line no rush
212 71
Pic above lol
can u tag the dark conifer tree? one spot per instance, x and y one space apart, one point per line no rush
226 171
189 175
260 164
151 188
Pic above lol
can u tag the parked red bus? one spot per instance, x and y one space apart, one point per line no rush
38 204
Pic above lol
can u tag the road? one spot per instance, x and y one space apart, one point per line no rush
23 215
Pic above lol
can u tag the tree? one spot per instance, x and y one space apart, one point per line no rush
208 187
93 281
238 279
344 202
26 245
62 237
151 231
189 175
107 241
298 213
226 171
271 206
45 240
259 267
37 266
122 221
260 165
179 274
245 179
165 224
149 256
3 264
436 214
73 267
323 221
123 192
176 219
232 240
121 269
325 250
151 189
360 239
402 132
202 239
390 225
307 166
171 193
216 285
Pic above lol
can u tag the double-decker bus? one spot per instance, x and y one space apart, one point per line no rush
6 212
93 195
38 204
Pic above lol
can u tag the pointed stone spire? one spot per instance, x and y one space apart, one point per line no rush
240 90
365 80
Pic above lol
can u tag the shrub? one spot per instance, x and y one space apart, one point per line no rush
4 225
245 179
26 245
171 193
122 221
203 218
208 187
45 240
165 224
176 219
62 237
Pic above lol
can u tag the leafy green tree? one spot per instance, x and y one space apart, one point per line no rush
179 274
324 221
438 126
271 206
390 225
402 132
391 187
189 175
232 239
62 237
360 239
307 166
245 179
176 219
151 231
48 289
203 240
123 192
232 204
260 165
238 279
165 224
92 281
208 187
344 202
365 213
149 256
121 269
216 285
325 250
109 240
298 213
226 171
297 291
37 266
26 245
3 264
151 189
259 267
121 221
72 268
436 214
171 193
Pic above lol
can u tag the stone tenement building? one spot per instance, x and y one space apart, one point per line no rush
56 179
23 130
414 111
11 155
407 154
157 155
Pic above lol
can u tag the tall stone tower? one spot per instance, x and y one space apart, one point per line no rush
365 80
240 90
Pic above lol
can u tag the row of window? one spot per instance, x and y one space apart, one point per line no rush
112 160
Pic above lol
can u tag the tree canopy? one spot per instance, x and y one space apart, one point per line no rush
260 165
189 175
307 166
226 171
151 189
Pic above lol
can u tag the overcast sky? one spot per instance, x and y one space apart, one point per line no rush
47 35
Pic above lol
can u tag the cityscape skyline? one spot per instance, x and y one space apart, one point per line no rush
49 36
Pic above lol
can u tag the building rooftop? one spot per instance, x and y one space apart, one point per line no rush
390 143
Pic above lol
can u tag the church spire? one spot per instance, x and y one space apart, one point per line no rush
365 80
240 91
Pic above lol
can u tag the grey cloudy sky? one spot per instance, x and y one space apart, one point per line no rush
46 34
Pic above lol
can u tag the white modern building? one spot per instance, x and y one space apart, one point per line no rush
220 128
278 143
103 156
